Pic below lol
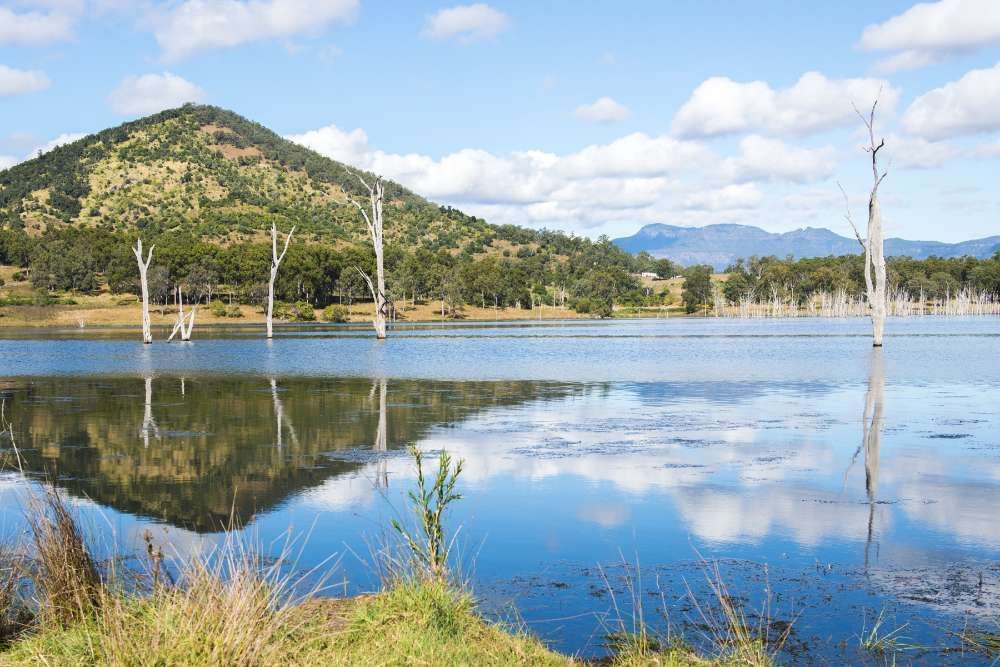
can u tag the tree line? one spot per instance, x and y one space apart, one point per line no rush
517 268
760 279
509 271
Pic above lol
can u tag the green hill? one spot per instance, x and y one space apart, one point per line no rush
212 173
205 184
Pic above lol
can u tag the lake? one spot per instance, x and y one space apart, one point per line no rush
608 464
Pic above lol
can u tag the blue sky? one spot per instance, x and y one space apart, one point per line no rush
588 117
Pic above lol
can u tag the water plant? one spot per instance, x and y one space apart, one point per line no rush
875 639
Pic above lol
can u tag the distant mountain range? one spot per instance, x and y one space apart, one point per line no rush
720 245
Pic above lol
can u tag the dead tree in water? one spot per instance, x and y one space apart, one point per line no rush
147 334
873 245
185 323
374 222
275 263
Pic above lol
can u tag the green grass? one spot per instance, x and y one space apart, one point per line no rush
413 623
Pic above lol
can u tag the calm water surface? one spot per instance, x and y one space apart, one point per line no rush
818 475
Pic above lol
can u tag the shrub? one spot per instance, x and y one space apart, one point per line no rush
582 305
304 312
218 308
336 314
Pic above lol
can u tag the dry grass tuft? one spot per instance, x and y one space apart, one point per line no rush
67 582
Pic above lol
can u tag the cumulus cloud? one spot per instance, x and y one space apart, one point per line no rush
18 81
731 197
7 161
930 31
149 93
970 105
918 153
62 139
633 177
197 25
602 110
814 103
33 28
466 23
763 159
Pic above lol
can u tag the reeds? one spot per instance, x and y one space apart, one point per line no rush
728 634
68 585
967 302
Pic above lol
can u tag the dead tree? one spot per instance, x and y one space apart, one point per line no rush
185 323
374 222
147 333
275 263
873 245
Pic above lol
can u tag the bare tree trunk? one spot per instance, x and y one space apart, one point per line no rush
275 263
185 323
147 333
374 222
874 245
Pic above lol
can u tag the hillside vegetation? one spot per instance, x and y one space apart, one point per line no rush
206 185
212 173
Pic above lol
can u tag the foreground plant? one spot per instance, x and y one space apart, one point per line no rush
429 548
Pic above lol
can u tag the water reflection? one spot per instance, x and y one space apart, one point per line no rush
207 448
872 420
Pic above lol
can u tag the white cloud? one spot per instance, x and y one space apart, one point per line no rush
632 178
149 93
764 159
602 110
905 60
196 25
7 161
65 138
17 81
929 31
31 28
467 23
815 103
918 153
731 197
968 106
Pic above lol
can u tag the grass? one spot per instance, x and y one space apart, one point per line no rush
876 640
733 638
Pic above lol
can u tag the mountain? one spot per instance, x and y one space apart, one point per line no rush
720 245
213 173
